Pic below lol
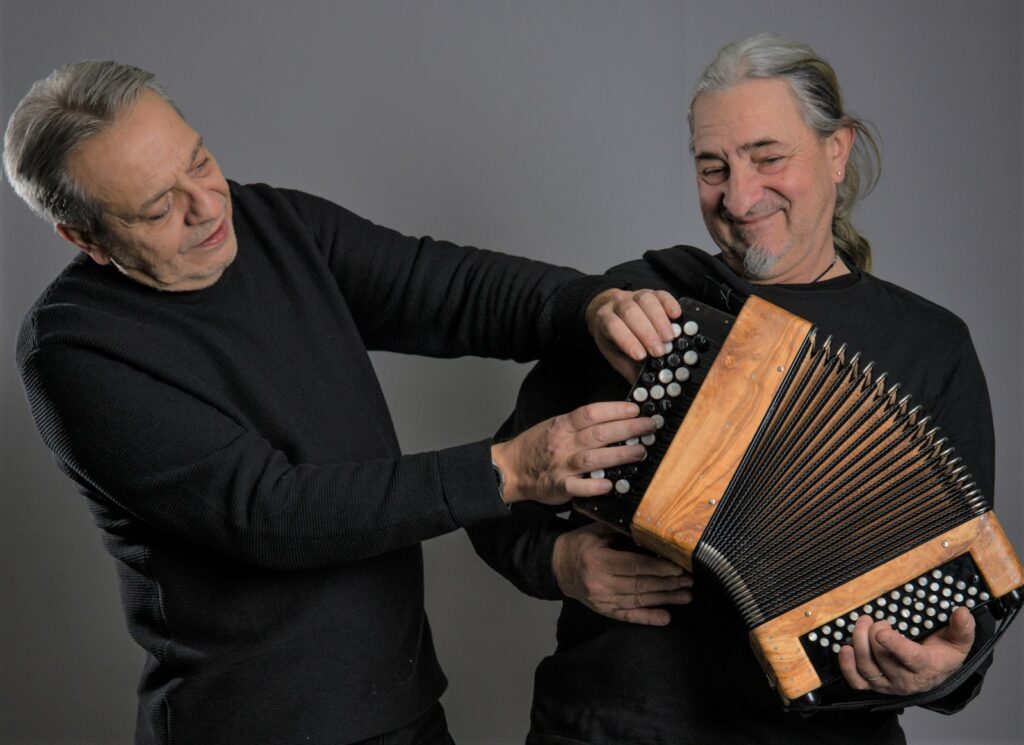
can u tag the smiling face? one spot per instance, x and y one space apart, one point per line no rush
166 205
767 181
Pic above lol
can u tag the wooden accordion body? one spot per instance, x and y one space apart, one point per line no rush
809 489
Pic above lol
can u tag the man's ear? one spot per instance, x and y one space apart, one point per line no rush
841 142
84 242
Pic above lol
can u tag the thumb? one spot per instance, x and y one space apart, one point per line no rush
960 631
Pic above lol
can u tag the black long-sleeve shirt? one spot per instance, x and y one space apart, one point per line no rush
237 452
696 680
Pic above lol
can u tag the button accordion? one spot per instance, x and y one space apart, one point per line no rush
809 489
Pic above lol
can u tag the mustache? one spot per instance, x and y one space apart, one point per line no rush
764 207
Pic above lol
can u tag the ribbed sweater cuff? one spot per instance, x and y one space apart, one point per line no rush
470 487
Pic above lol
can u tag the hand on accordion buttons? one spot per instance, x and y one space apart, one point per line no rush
627 326
884 660
546 462
623 585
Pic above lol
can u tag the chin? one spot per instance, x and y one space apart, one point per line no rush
759 262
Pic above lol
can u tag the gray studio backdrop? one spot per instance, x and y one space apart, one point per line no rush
550 129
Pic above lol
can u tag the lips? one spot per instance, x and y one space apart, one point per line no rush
216 237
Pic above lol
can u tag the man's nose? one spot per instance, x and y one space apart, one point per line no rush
204 204
741 191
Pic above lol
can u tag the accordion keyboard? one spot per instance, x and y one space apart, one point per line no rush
664 390
915 609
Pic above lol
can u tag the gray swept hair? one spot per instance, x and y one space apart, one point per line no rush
75 102
816 87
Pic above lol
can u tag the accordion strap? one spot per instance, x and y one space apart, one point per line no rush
974 660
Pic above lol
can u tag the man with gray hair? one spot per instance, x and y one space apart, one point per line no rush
643 656
200 371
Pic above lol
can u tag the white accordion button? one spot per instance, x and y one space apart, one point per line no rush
598 474
676 329
690 357
673 389
647 440
665 376
622 486
690 328
657 392
682 374
659 421
640 395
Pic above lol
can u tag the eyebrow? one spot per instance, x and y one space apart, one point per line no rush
157 197
756 145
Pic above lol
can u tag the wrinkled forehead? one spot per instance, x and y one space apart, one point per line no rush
749 112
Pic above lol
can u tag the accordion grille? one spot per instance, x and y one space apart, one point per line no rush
842 476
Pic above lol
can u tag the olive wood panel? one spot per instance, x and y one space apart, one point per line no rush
718 428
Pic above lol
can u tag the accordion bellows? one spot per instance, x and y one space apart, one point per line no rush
813 492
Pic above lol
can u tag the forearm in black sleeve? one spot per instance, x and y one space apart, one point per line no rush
180 465
431 297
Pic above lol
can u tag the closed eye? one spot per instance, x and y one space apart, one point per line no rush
771 164
714 175
160 215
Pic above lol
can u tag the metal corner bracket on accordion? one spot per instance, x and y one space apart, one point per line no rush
809 488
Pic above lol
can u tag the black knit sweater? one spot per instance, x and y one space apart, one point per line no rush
238 455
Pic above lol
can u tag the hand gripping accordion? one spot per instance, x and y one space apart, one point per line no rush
813 493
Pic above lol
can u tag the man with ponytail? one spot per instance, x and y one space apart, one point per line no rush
643 655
